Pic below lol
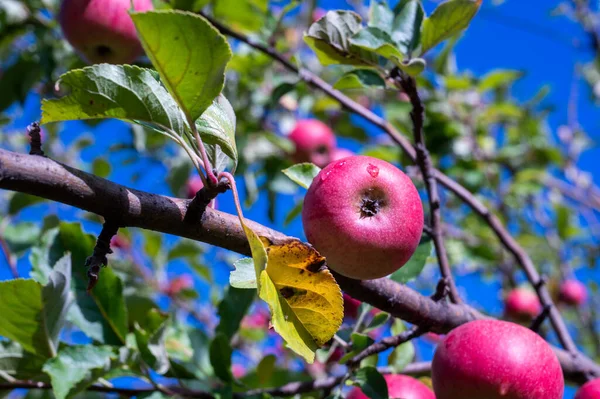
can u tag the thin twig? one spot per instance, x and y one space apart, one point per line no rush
98 258
35 139
387 343
409 85
10 260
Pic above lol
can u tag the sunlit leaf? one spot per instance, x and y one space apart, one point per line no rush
189 54
447 19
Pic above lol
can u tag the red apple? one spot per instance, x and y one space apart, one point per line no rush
238 370
364 215
121 242
314 142
573 292
399 386
351 306
522 304
590 390
493 359
102 30
185 281
340 153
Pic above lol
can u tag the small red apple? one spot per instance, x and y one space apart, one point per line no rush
364 215
174 287
351 306
314 142
121 242
573 292
493 359
399 386
590 390
102 30
340 153
238 370
522 304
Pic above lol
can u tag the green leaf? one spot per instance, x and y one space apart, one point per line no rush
406 29
265 369
77 367
101 167
32 314
150 339
447 19
329 37
185 249
217 127
371 382
497 79
189 5
18 363
380 15
248 15
403 354
379 320
285 321
360 79
114 91
415 264
379 42
220 357
19 201
413 67
189 54
244 275
232 309
302 173
21 236
100 314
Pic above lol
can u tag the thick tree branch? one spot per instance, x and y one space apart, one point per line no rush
409 85
51 180
520 255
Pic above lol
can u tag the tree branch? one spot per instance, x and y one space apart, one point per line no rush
520 255
409 85
49 179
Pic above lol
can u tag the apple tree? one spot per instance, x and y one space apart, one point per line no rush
231 199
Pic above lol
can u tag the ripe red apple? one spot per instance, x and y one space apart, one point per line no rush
399 386
573 292
340 153
590 390
314 142
351 306
493 359
102 30
364 215
522 304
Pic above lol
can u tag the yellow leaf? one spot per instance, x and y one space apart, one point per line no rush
311 292
285 321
